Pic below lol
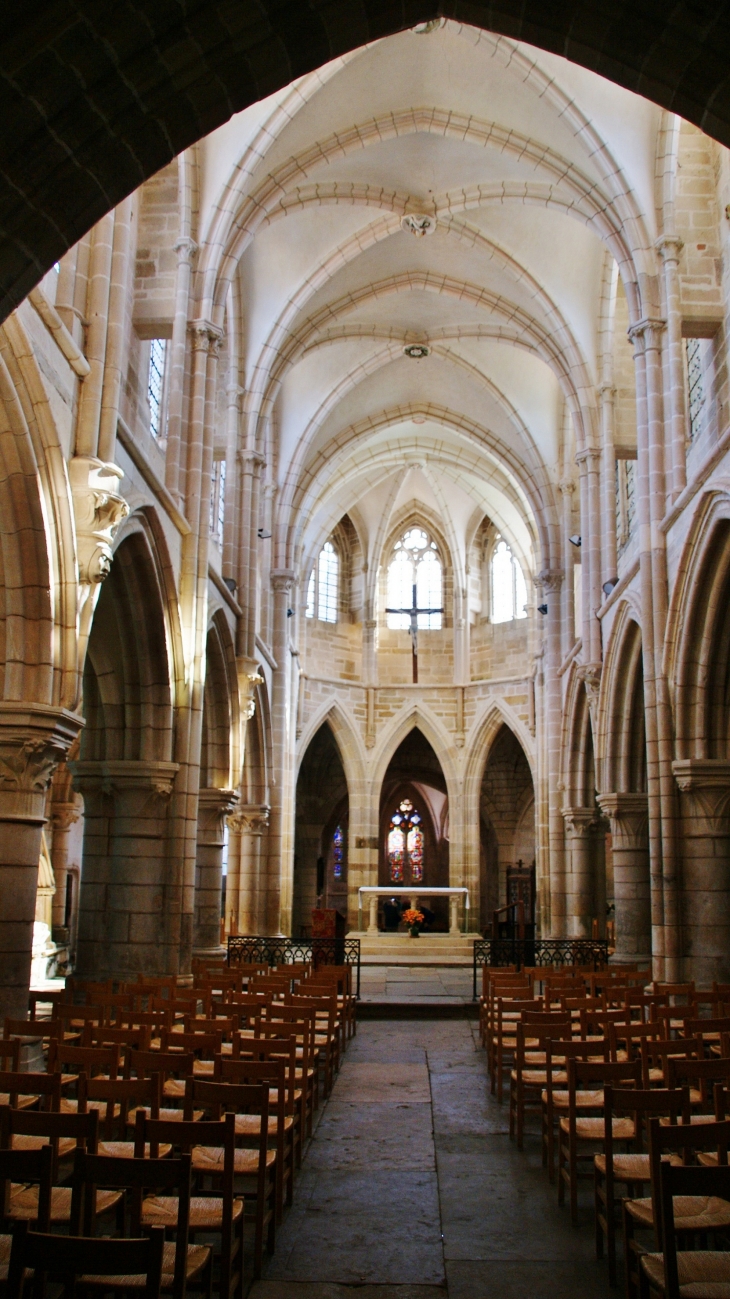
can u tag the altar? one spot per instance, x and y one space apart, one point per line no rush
391 891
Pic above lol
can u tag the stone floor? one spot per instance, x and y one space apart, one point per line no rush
411 1184
411 983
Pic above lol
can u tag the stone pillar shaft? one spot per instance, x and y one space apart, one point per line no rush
580 824
705 910
629 818
213 804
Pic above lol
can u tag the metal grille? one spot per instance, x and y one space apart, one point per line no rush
286 951
695 384
538 951
155 384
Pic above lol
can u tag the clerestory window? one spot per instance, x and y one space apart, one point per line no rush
509 592
323 586
415 583
156 386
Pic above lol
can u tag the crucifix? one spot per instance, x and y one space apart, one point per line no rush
413 613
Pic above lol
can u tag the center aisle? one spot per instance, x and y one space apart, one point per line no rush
411 1180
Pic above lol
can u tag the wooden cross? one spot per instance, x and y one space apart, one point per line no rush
413 613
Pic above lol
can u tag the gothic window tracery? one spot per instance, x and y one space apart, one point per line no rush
406 845
415 564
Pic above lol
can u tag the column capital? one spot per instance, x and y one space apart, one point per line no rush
629 817
213 807
108 777
64 815
249 677
34 738
705 783
549 579
669 246
580 821
648 330
566 486
590 675
282 579
588 456
250 818
205 335
98 510
186 248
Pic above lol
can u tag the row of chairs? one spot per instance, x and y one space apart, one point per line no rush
183 1109
622 1074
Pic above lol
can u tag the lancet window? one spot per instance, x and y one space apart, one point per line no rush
338 852
323 585
156 386
509 592
415 582
406 845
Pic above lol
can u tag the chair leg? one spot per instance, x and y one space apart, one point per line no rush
573 1172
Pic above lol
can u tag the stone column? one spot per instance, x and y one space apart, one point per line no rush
373 913
213 805
251 822
63 816
629 818
705 910
33 740
125 899
550 582
580 825
277 910
454 914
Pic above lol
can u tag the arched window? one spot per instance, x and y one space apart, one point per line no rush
323 585
405 845
509 592
415 582
338 852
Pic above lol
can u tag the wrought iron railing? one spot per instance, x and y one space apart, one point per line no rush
286 951
538 951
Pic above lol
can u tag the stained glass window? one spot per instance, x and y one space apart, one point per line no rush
509 591
338 852
415 564
406 845
695 384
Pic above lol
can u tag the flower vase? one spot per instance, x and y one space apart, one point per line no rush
415 931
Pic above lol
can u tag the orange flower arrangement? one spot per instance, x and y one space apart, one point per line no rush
412 917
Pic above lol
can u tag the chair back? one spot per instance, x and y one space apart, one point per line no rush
45 1085
29 1166
676 1181
73 1256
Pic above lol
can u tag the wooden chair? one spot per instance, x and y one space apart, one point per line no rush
579 1128
528 1077
502 1038
221 1214
24 1091
655 1053
270 1051
203 1046
28 1029
700 1076
326 1032
555 1099
23 1204
281 1122
99 1035
697 1272
673 1143
289 1021
24 1167
631 1169
115 1100
172 1067
70 1060
255 1165
69 1257
183 1264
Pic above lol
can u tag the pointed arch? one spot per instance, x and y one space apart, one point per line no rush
417 716
346 738
620 740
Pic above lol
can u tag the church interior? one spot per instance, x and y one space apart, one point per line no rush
365 650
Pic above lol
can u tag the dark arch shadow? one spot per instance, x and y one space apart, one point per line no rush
96 98
322 806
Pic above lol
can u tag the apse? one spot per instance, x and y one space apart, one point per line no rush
414 823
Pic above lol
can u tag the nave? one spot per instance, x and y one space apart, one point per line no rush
411 1185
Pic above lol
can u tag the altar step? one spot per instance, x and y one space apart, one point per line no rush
426 950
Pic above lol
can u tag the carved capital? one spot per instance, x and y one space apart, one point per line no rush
33 740
580 821
588 458
550 579
705 784
629 818
566 487
98 511
119 777
206 337
669 247
64 815
647 331
186 248
214 806
250 818
282 579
